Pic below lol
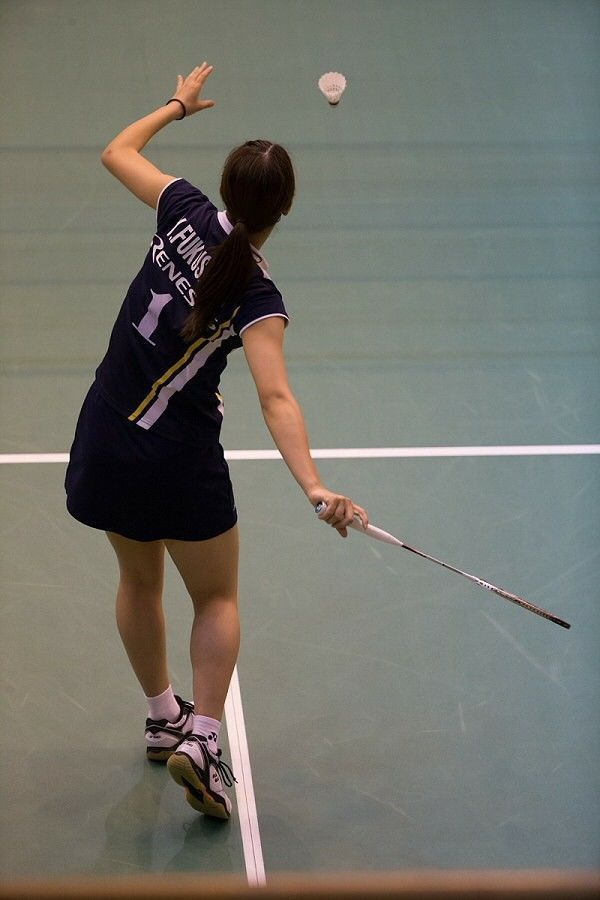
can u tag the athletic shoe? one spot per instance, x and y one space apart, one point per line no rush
163 737
202 773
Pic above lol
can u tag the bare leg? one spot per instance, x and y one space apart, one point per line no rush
210 572
140 617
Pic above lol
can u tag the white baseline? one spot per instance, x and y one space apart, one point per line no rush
364 453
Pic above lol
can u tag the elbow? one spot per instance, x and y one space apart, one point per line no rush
105 156
111 155
274 402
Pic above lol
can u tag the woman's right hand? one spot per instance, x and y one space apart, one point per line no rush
339 511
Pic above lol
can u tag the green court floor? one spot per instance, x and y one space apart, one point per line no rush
440 267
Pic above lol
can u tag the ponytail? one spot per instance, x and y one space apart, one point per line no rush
257 187
225 276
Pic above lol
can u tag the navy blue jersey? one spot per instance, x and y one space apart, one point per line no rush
149 373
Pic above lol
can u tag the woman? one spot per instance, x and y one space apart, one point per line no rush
146 465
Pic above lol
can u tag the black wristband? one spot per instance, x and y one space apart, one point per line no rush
177 100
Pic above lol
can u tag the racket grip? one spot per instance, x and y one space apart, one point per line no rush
356 524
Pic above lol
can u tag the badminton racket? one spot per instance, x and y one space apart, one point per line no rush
380 535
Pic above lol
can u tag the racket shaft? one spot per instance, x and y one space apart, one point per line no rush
380 535
507 595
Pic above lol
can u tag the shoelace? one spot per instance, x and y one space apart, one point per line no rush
186 706
225 771
220 765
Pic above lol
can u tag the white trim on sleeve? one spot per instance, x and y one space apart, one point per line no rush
260 318
168 184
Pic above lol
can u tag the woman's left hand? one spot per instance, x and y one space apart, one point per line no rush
188 89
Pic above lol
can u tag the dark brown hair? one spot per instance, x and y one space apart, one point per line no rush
257 187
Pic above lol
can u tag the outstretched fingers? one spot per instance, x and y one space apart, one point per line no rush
188 88
201 73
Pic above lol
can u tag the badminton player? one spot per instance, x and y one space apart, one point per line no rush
146 465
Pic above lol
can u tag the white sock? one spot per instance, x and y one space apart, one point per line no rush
210 729
164 706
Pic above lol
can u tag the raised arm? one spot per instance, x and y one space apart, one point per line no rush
122 156
263 346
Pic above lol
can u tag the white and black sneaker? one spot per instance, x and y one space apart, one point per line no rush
202 773
163 737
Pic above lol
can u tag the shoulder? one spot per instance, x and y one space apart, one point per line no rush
261 300
181 198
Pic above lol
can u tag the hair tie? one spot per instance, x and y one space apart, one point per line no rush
181 103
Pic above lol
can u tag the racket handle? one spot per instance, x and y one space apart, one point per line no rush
322 505
378 533
356 524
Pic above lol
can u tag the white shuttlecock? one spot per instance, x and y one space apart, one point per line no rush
332 85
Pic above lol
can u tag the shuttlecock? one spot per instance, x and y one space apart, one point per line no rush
332 85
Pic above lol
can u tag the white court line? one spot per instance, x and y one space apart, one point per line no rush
424 452
364 453
244 789
9 458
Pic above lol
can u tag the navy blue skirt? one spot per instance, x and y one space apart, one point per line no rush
130 481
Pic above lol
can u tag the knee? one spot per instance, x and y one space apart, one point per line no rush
216 600
141 585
